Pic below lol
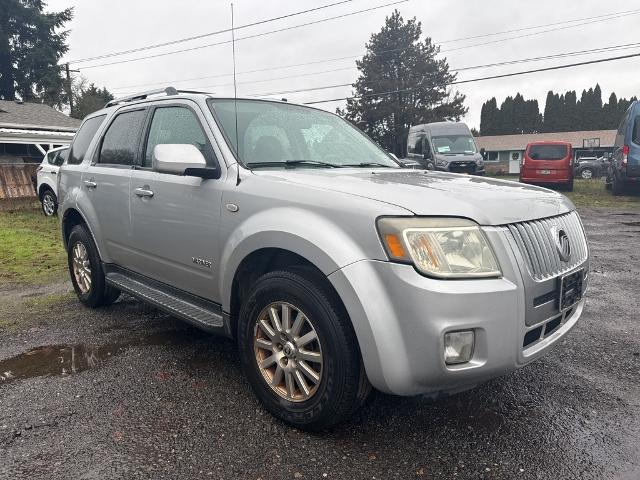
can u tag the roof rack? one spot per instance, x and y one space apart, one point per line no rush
142 96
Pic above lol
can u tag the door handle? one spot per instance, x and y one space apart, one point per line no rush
90 184
54 173
143 192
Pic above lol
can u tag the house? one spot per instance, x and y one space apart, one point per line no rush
504 152
27 132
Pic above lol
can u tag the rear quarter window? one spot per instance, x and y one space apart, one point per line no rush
83 138
547 152
635 138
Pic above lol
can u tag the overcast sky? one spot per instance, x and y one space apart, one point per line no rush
101 27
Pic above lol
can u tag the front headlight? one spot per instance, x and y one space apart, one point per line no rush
439 247
441 163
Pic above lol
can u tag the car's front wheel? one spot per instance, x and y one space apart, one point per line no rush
586 173
49 203
299 351
86 271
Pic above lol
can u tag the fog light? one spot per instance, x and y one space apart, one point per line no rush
458 347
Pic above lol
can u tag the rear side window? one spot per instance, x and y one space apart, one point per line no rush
177 125
636 131
548 152
83 139
120 143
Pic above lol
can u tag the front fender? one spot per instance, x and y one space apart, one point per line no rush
308 234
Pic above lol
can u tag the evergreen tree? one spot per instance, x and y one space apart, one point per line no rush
89 99
30 48
490 120
398 61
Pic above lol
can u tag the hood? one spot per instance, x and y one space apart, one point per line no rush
431 193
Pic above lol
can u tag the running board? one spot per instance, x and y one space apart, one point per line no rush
195 310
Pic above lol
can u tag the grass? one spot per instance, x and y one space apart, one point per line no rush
593 194
31 249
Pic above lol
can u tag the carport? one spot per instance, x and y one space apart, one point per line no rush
27 132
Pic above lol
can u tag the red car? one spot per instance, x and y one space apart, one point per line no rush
546 163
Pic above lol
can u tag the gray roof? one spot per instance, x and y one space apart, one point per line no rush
34 116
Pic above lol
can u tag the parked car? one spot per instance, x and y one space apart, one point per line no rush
548 163
445 146
47 179
332 267
591 167
624 169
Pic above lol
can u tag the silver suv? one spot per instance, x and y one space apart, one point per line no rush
334 269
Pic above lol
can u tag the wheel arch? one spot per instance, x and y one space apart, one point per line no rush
70 219
43 188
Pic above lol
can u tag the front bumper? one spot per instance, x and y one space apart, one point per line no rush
400 318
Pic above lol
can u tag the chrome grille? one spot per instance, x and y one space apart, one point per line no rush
538 247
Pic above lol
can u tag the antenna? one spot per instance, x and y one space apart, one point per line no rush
235 93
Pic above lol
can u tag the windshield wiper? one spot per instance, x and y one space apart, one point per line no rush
291 163
365 164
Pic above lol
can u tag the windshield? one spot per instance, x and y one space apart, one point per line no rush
454 144
278 134
547 152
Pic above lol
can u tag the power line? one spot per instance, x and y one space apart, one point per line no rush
515 37
492 77
315 22
204 35
474 67
609 15
484 35
461 69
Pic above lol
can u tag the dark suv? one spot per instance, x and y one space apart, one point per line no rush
624 169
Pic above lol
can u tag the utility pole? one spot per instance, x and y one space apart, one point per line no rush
68 85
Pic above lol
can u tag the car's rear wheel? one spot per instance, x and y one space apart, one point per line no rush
299 351
49 203
86 271
587 173
617 186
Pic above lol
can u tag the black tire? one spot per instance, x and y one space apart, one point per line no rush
49 209
343 386
617 186
569 186
98 294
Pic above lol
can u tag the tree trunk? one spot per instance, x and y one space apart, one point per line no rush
7 88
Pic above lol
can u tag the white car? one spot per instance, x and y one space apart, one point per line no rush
47 179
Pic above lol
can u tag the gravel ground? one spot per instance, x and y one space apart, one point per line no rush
128 392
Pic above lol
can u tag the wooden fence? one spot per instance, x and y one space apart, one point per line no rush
18 180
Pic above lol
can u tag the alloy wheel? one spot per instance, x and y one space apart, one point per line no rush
81 267
48 205
288 351
586 173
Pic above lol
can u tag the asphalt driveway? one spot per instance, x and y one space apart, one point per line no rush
129 392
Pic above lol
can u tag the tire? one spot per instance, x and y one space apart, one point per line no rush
587 173
569 186
342 386
87 275
49 203
617 186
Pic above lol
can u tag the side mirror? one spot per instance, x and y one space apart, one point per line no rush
181 159
483 153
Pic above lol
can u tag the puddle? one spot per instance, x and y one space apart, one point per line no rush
56 360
